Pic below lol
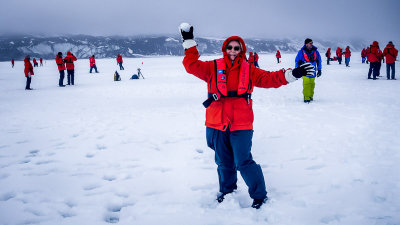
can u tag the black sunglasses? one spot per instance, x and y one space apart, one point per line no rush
236 48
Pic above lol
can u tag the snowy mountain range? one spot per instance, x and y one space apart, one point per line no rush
83 46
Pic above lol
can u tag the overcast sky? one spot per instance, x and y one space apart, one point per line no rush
344 19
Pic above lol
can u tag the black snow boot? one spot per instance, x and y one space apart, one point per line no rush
221 196
257 203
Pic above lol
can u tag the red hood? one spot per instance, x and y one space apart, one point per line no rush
69 53
389 46
375 43
26 60
236 38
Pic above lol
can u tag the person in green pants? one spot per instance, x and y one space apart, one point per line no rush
309 54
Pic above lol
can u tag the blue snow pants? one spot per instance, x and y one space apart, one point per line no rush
232 153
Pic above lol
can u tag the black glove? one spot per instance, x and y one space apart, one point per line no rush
303 70
186 31
319 73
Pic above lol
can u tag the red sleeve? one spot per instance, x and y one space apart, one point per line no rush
266 79
193 65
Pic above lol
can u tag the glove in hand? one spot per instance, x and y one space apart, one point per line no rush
306 69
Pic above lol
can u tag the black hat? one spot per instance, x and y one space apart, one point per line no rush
308 40
59 53
390 42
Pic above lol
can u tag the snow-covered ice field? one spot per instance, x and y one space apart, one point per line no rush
134 151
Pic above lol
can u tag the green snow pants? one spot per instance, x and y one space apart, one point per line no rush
308 87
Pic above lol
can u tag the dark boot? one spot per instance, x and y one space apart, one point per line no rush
257 203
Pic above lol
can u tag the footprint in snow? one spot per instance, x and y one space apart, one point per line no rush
7 196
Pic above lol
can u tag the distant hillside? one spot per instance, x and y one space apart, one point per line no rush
83 46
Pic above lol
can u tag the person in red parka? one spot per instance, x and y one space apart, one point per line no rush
92 61
120 61
363 55
61 67
35 64
251 59
328 56
373 53
28 72
339 54
12 63
41 61
390 52
229 113
347 55
69 62
256 60
278 55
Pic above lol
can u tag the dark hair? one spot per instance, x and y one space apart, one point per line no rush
308 40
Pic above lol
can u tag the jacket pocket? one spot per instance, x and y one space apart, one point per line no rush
214 113
243 112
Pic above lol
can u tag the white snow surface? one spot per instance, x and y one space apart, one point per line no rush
134 151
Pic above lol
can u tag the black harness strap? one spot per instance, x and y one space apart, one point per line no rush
214 97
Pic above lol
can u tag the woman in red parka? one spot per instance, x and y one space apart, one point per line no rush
69 61
347 55
120 61
61 67
278 55
328 56
229 113
28 72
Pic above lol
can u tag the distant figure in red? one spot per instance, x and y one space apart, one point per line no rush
35 64
366 53
374 59
28 72
120 61
256 60
390 52
251 58
347 55
61 67
328 56
278 55
12 63
69 61
41 62
92 61
339 54
363 55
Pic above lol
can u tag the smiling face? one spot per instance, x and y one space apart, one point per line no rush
233 49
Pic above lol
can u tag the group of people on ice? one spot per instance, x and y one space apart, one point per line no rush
375 57
339 56
66 63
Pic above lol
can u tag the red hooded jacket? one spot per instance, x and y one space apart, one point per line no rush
34 61
328 53
390 52
60 63
69 61
363 53
119 58
92 61
28 67
12 61
278 54
251 58
373 52
339 52
233 112
347 53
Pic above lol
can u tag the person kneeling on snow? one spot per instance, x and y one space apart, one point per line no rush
229 112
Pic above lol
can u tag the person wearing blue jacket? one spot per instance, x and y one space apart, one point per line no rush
309 53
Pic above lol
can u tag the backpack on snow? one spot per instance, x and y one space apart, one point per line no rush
134 76
117 77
